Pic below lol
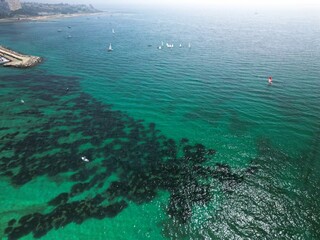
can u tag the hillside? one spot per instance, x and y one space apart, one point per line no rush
43 9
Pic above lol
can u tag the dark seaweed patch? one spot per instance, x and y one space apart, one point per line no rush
68 125
60 199
11 222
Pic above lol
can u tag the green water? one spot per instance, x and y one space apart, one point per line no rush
138 113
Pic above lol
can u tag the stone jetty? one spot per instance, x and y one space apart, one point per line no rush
9 58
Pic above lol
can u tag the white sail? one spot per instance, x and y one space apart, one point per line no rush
110 48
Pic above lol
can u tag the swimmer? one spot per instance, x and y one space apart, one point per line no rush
270 80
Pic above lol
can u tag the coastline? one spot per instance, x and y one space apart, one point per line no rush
46 17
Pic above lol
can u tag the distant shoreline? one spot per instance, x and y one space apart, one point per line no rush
46 17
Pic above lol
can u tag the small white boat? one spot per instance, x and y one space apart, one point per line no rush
85 159
169 45
110 48
113 30
22 101
3 60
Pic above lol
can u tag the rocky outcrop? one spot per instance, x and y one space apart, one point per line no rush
8 6
4 9
14 5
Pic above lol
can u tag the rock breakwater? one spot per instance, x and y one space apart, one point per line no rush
18 60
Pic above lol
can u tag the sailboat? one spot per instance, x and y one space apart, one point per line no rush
169 45
110 48
113 30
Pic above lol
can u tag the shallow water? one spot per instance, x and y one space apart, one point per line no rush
183 143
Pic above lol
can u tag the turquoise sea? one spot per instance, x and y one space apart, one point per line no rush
181 143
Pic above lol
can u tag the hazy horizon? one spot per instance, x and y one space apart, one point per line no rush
236 3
